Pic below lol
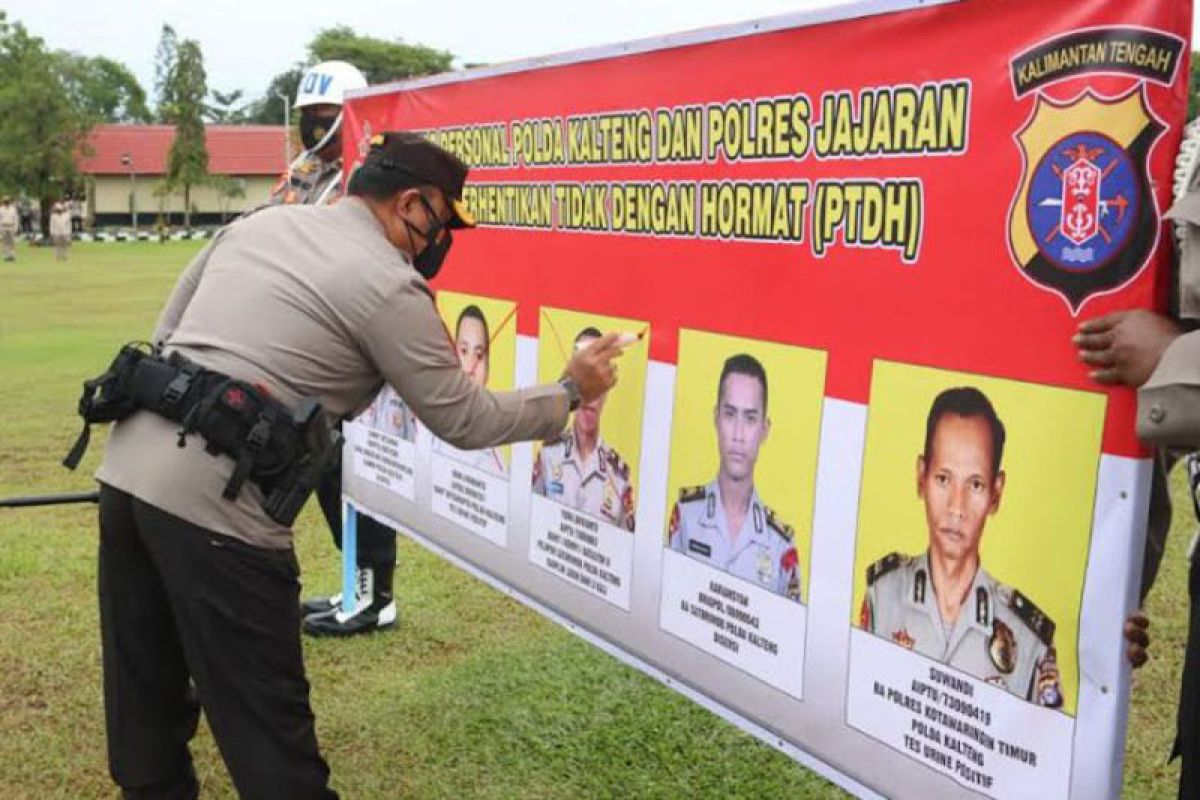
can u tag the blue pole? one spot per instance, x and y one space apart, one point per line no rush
349 558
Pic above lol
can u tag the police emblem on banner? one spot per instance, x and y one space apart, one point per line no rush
1084 221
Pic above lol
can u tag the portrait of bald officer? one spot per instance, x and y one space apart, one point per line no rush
942 603
724 523
580 469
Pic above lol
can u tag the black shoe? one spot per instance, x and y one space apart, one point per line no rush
320 606
375 583
372 618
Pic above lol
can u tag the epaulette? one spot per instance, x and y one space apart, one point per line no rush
1031 615
689 494
778 525
883 566
618 465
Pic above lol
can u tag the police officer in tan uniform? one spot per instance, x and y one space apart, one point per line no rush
60 230
725 523
1160 356
943 603
315 177
473 341
9 223
580 469
201 591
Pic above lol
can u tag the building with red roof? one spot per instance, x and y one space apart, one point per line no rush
124 167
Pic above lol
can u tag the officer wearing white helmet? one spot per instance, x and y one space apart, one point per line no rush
315 176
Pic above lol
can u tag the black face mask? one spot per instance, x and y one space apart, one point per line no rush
429 261
314 128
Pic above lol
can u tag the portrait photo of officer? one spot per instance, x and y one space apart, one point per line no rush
579 469
942 603
391 415
725 523
472 342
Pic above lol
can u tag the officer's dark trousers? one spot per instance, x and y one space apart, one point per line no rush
1187 744
178 602
376 542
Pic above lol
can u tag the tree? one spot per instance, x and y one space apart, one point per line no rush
228 189
42 129
164 62
101 89
186 86
268 109
379 59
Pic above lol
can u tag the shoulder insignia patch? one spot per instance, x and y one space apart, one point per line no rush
883 566
690 494
1033 616
778 525
618 466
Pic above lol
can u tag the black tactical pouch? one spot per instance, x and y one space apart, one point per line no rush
108 397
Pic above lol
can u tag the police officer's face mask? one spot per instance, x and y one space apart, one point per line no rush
429 261
314 128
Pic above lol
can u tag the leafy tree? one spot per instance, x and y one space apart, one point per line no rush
379 60
186 86
42 129
268 109
101 89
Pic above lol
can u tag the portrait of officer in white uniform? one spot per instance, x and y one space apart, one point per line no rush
580 469
472 342
724 523
942 603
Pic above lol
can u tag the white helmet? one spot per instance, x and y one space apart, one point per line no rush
328 82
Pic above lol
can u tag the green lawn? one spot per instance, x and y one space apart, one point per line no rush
473 697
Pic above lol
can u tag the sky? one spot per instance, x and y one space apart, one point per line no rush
247 42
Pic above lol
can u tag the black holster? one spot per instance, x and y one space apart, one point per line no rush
285 451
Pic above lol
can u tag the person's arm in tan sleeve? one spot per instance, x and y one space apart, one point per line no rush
182 294
412 350
1169 401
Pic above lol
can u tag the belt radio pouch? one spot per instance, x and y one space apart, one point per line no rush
283 451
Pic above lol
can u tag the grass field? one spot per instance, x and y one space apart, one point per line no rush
473 697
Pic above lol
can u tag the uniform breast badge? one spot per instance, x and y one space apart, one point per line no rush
1002 647
764 566
903 638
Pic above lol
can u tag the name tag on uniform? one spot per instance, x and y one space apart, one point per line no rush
699 547
554 487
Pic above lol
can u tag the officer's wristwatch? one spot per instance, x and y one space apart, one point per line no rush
572 390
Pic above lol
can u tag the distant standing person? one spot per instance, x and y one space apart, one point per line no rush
9 221
75 206
25 211
60 230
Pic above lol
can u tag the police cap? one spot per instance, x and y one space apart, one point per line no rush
397 158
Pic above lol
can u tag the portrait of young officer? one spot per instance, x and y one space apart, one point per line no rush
472 340
198 584
942 603
725 523
580 469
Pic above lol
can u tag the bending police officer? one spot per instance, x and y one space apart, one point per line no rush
303 301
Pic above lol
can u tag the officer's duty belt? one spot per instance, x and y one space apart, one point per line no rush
285 451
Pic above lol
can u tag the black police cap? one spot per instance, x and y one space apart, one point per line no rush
413 154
